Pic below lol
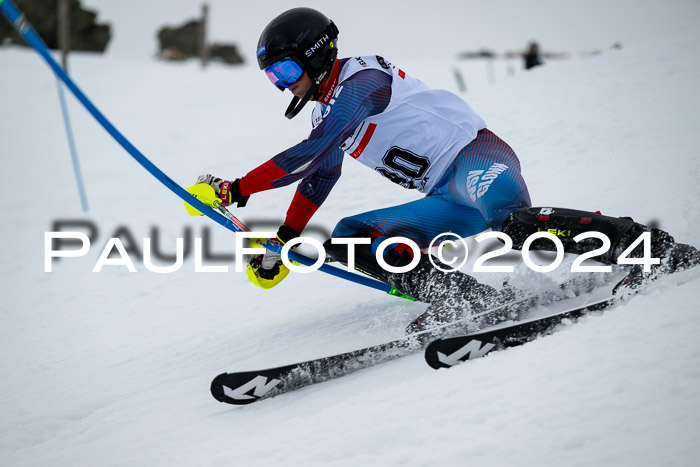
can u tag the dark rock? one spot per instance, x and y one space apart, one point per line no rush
85 33
182 42
226 53
483 53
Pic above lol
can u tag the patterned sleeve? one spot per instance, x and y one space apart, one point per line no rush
317 160
313 190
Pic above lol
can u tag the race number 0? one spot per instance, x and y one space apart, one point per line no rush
405 162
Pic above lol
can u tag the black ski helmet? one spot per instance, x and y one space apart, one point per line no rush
306 36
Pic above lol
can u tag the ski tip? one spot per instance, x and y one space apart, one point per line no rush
246 387
226 388
431 355
217 388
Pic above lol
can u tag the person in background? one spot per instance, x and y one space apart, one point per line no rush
532 57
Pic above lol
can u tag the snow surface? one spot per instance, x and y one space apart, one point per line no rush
113 368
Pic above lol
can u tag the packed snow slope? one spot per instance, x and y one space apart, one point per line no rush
113 367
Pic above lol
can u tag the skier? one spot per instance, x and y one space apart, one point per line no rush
420 138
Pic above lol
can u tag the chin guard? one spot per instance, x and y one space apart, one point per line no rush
297 104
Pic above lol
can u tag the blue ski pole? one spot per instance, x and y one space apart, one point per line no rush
27 32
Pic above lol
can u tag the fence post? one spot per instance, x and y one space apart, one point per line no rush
64 31
203 51
461 85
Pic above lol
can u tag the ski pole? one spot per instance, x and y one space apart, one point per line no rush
32 38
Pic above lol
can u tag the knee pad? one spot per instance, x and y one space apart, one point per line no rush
568 223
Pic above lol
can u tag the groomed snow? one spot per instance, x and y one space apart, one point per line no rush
113 368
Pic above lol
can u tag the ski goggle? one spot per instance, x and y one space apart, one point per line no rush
284 73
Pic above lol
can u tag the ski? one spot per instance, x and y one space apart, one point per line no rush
241 388
250 386
246 387
446 352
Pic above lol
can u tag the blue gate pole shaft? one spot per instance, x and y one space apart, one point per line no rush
22 26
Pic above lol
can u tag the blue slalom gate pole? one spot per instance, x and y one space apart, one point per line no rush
71 146
30 36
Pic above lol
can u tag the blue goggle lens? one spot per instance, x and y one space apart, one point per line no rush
284 73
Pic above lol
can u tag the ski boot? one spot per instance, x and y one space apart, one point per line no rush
452 296
622 232
452 309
